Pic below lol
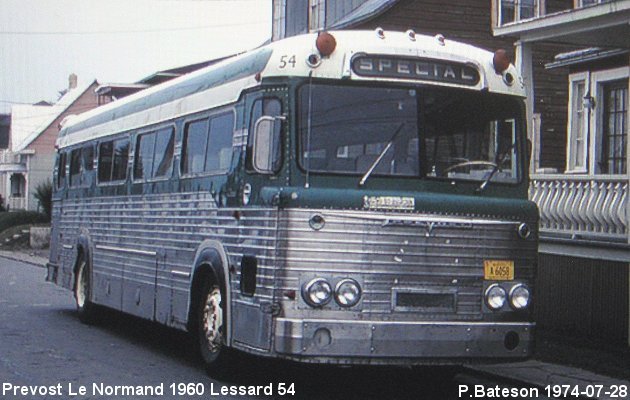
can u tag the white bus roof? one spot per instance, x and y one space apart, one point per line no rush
358 56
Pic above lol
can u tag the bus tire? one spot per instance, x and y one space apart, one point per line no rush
83 290
211 326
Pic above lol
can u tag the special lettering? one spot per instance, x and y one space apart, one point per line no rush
381 66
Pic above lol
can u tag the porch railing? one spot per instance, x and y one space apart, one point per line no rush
589 207
16 203
9 157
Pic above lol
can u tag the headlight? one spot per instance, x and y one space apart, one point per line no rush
519 297
495 297
317 292
347 293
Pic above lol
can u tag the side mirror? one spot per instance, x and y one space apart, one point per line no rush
264 145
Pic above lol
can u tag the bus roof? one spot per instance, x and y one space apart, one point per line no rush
358 56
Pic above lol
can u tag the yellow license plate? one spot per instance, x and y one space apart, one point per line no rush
498 270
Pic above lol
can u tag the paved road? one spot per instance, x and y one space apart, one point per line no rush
43 344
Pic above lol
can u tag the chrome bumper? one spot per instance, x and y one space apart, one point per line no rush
326 340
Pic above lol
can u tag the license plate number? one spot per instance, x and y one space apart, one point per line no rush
498 270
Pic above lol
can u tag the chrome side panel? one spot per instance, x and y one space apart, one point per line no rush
144 251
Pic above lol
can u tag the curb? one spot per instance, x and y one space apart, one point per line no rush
24 258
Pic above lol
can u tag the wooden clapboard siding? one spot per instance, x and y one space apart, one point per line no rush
550 101
583 297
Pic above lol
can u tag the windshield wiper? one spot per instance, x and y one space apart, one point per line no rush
380 156
497 166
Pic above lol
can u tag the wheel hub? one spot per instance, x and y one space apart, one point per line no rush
213 320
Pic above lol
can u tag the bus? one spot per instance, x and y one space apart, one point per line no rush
342 197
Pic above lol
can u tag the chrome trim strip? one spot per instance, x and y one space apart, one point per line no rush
426 323
180 273
124 250
68 246
388 218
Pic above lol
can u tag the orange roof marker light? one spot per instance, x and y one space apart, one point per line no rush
325 44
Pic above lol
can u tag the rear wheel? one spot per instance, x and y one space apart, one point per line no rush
82 291
211 326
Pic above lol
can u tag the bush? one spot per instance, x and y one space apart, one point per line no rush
43 193
11 219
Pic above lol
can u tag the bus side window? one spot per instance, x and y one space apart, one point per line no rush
219 153
105 151
87 153
61 170
75 168
194 147
121 159
154 154
271 107
207 145
113 157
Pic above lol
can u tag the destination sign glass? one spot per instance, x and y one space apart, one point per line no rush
426 69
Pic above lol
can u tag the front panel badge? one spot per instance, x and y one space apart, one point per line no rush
389 203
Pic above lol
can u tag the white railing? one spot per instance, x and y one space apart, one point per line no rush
9 157
16 203
582 206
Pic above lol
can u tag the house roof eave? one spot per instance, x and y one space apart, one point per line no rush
576 26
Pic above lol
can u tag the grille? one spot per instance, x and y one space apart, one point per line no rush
435 269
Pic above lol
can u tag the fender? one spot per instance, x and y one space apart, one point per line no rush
212 252
84 241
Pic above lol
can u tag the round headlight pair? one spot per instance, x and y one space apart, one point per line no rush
496 297
318 292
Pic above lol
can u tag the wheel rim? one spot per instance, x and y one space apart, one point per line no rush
213 320
82 283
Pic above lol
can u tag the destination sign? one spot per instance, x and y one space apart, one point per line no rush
426 69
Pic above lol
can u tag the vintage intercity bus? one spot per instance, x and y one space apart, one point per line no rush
347 197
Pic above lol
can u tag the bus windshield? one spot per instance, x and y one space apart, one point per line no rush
432 133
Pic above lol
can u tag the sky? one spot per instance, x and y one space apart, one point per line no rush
116 41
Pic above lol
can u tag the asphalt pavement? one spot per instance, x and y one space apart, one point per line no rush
43 345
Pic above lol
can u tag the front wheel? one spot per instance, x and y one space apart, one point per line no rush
82 291
211 327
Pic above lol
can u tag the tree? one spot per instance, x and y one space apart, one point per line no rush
43 193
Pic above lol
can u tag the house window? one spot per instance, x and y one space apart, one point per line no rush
597 140
584 3
615 127
18 185
517 10
317 14
279 19
296 17
577 124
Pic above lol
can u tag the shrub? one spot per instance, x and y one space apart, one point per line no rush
11 219
43 193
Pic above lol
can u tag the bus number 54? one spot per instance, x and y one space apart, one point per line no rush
285 60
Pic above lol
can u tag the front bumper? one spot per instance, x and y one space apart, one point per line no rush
386 342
